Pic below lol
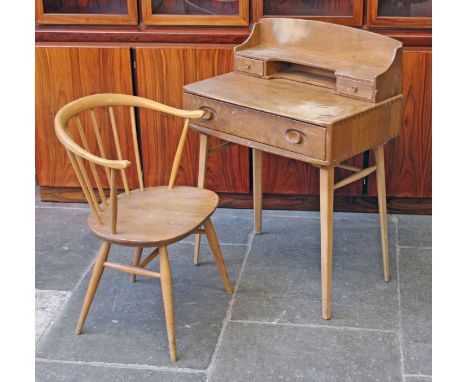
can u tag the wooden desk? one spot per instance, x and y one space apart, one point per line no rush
302 98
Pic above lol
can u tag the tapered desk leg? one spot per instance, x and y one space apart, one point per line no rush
382 196
257 190
201 184
326 236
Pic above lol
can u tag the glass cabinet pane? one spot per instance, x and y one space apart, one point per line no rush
335 8
195 7
405 8
95 7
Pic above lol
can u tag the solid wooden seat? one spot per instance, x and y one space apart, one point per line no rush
147 217
159 215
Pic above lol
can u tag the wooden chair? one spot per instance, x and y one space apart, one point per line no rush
146 217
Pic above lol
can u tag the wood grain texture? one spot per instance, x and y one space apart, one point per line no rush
65 74
176 212
409 157
162 73
290 177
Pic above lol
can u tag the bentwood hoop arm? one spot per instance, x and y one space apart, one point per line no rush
153 217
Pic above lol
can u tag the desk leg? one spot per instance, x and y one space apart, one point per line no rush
257 189
203 153
382 196
326 236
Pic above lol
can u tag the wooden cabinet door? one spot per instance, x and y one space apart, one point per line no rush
62 75
161 74
409 156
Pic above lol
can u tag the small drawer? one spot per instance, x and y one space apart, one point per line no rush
248 65
287 134
357 89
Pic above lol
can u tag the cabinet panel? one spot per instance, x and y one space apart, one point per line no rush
409 156
65 74
346 12
400 13
86 12
161 74
195 12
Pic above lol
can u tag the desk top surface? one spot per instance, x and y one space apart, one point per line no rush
290 99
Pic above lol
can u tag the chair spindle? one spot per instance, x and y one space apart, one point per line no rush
99 142
81 165
81 180
91 164
135 148
113 197
117 148
178 155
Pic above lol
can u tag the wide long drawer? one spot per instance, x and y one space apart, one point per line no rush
269 129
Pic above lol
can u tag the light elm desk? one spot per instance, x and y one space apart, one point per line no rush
310 91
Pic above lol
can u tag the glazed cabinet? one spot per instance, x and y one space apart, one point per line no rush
87 12
152 48
400 13
346 12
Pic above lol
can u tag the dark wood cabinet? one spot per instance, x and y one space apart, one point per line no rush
169 44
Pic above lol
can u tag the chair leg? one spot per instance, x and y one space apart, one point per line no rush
93 284
202 155
136 261
326 236
214 245
257 190
196 250
166 286
382 197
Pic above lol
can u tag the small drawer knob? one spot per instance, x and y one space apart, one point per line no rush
209 113
247 66
293 136
352 89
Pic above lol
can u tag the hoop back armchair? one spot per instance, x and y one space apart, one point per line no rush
152 217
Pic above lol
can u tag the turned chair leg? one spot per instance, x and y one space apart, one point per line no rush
136 261
214 245
166 286
382 197
257 190
203 153
93 284
326 236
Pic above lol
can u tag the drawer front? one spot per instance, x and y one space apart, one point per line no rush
248 65
269 129
354 88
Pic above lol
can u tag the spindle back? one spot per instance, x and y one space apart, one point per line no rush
78 154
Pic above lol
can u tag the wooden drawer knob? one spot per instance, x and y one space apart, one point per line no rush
352 89
293 136
247 66
209 113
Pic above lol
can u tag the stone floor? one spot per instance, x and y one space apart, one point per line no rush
269 330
